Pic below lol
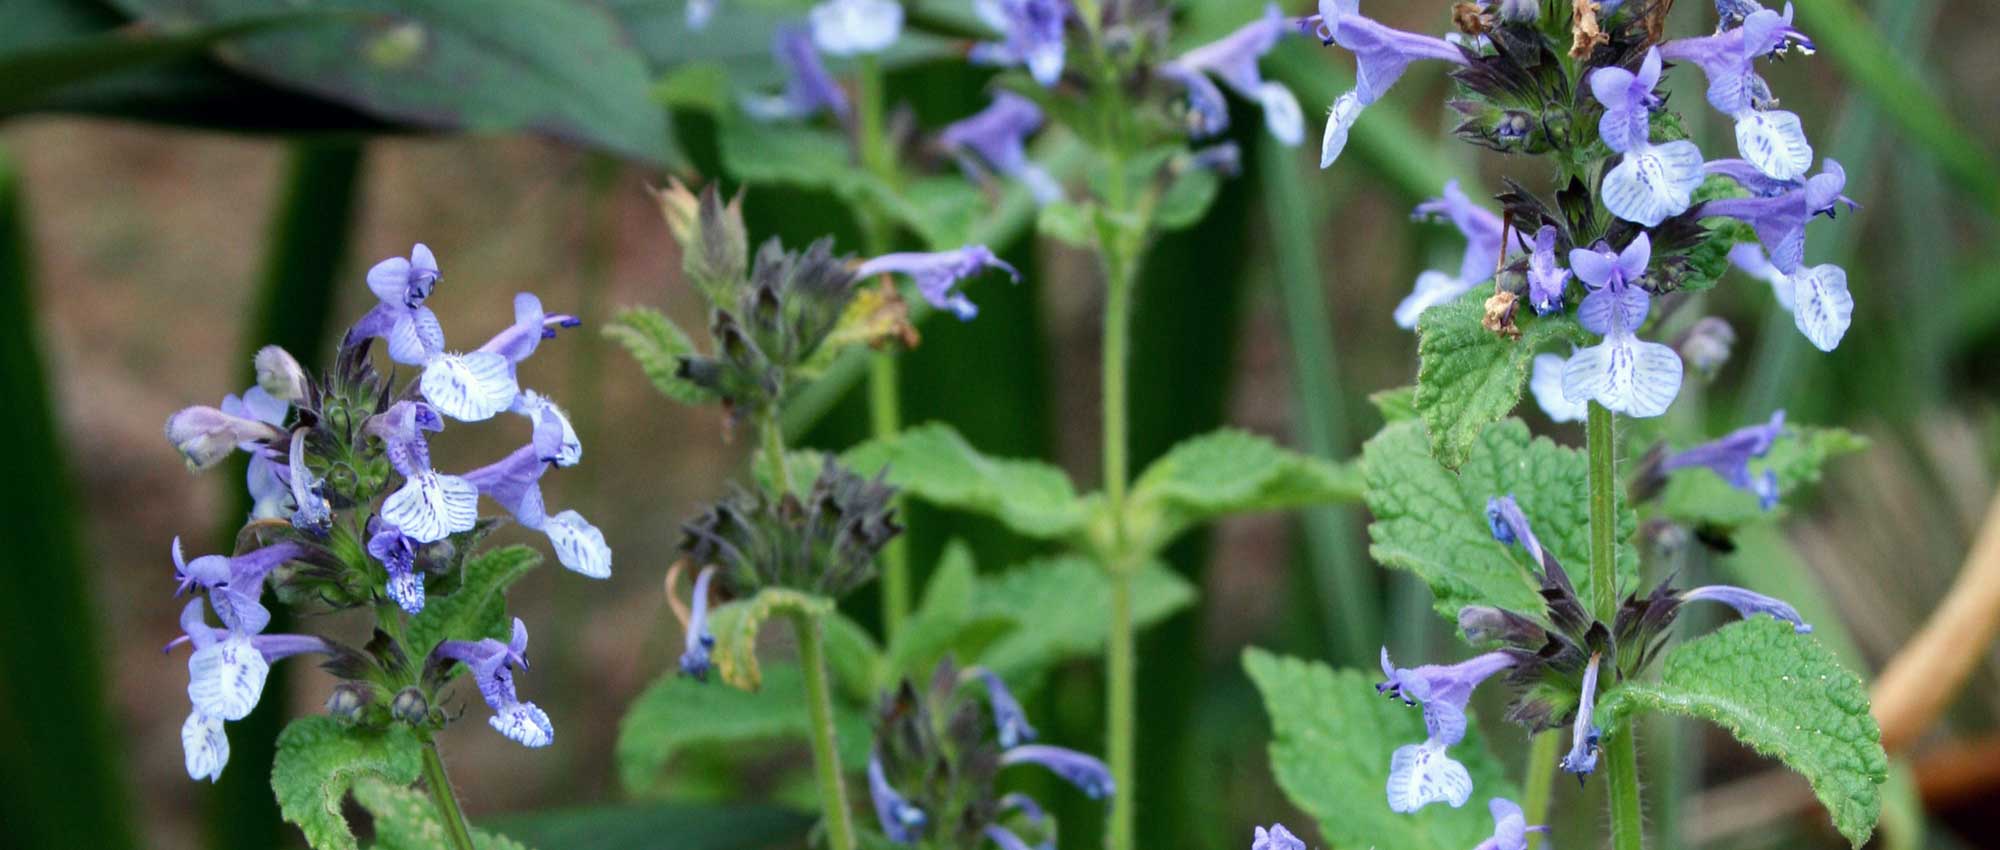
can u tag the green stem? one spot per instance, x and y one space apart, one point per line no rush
885 416
448 812
1122 698
1540 783
1121 661
1601 438
774 454
1621 765
826 758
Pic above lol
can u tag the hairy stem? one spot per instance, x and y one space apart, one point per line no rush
1603 514
1121 709
448 812
774 454
1120 656
1621 764
826 758
1542 755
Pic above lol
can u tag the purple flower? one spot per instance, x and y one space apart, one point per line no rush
1730 456
700 641
848 27
1749 604
1510 526
1653 183
1031 35
1233 59
531 325
1546 279
1778 210
311 511
1624 373
1008 717
410 328
430 505
235 585
1276 838
1005 838
1510 826
515 482
555 438
937 273
475 386
809 89
1772 139
1422 774
205 435
398 554
1816 296
1582 756
1628 102
204 746
280 377
263 477
1546 382
1481 229
1225 159
901 820
1086 772
1381 55
995 139
1443 690
492 666
226 673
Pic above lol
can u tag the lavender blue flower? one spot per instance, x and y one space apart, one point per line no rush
1628 102
492 664
398 554
235 585
1749 604
809 89
311 512
1545 381
205 435
1031 36
1481 229
1086 772
700 641
1510 826
1008 718
1624 373
1233 59
1729 458
263 477
936 274
401 319
1381 55
1509 526
1547 281
902 821
1581 759
226 673
1822 308
1443 690
1653 183
1225 159
280 377
1276 838
849 27
430 505
1422 774
515 482
204 746
531 325
1772 139
996 136
1778 211
555 438
475 386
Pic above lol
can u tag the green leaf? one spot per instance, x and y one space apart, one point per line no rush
934 463
1469 377
1187 199
30 73
640 826
319 759
736 626
1432 521
1058 605
1700 497
1786 696
855 660
405 819
562 69
1073 224
658 344
943 210
944 612
1228 472
677 713
478 608
1395 405
1332 737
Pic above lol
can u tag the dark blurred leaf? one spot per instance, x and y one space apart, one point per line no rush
36 70
566 70
649 827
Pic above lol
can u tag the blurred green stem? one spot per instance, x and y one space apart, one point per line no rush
448 811
1120 661
774 454
1540 781
826 758
884 402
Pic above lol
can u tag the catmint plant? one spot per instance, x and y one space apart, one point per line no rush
351 514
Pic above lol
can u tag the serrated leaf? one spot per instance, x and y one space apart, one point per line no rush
1395 405
478 608
1799 456
677 713
1228 472
1432 521
1786 696
1469 377
319 759
406 820
736 626
1058 607
933 463
658 345
1332 737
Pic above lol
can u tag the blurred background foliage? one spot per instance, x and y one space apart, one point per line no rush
184 180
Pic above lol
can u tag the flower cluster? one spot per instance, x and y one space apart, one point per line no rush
938 753
1640 212
350 512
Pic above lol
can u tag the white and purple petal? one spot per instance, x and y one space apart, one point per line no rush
524 723
204 745
1625 374
1654 183
1340 119
579 545
226 677
432 506
1546 382
1823 308
1422 774
469 387
1775 142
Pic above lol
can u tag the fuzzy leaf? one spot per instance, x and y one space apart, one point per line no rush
478 608
319 759
1784 695
406 820
676 713
934 463
1058 607
658 344
736 626
1332 736
1228 472
1432 521
1395 405
1700 497
1469 377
